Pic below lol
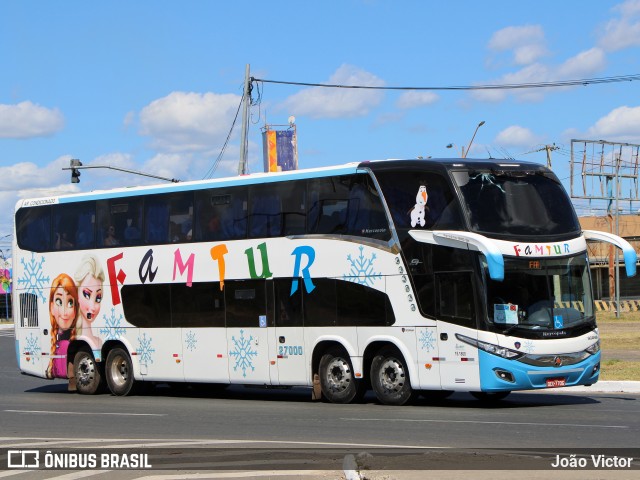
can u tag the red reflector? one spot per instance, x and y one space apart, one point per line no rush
280 356
133 353
175 355
219 355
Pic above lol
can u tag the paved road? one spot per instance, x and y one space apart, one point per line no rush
289 435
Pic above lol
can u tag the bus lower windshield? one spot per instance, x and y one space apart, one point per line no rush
540 294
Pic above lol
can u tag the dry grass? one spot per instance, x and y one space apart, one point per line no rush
620 341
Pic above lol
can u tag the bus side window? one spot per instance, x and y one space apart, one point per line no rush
33 228
455 298
288 307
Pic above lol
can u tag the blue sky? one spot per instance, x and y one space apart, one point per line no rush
154 85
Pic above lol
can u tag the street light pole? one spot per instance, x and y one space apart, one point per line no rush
464 155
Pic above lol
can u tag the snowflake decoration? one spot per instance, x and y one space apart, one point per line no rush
191 341
33 280
528 346
362 269
243 353
145 351
427 340
32 348
113 328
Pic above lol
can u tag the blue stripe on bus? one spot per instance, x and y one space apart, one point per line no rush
203 185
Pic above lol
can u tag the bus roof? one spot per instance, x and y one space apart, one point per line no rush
259 178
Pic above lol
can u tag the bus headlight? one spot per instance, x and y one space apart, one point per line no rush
491 348
593 349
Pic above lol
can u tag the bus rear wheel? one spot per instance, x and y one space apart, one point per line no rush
87 372
119 372
337 381
390 378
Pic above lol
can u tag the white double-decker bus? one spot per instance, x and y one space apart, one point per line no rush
405 277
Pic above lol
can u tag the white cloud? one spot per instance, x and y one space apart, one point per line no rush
28 120
415 98
322 102
620 125
527 43
187 121
27 180
516 136
582 65
623 32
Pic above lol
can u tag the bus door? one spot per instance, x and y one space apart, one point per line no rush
247 332
290 352
204 340
33 330
456 312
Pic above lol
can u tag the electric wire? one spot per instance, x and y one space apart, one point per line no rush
215 165
505 86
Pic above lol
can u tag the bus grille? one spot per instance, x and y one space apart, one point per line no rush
28 310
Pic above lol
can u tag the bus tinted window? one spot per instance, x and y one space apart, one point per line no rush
288 307
221 214
147 305
73 225
33 228
346 205
245 302
277 209
200 305
168 218
119 222
420 200
521 203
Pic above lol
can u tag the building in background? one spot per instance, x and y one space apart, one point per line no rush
601 257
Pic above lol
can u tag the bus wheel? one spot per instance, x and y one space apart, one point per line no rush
337 381
119 372
490 396
86 372
389 377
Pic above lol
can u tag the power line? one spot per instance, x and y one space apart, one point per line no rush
506 86
215 165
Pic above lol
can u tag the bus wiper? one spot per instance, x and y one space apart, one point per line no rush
507 331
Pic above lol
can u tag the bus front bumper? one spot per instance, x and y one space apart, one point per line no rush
498 374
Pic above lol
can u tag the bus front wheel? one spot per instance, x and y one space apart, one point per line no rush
86 372
337 381
119 372
390 378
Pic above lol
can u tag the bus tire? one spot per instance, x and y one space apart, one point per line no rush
337 381
119 372
490 396
390 378
86 371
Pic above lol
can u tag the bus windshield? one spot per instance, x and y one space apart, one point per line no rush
540 294
516 203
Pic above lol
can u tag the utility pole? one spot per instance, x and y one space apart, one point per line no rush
244 142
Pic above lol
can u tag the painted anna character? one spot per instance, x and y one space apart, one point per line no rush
89 278
63 309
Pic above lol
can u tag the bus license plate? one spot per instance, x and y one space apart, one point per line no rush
556 382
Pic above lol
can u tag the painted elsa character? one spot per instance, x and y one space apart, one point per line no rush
63 310
89 278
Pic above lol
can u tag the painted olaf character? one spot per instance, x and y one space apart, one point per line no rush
417 213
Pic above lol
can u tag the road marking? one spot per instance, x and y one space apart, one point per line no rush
89 413
482 423
265 473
